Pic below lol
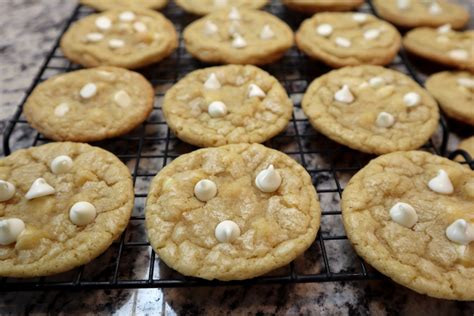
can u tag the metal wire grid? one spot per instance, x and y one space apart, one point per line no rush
131 262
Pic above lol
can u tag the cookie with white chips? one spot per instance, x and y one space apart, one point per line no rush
227 104
61 206
238 36
348 39
233 212
90 104
203 7
371 109
127 38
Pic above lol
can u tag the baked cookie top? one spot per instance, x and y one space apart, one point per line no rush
203 7
238 36
103 5
232 212
371 109
61 205
344 39
442 45
454 91
227 104
90 104
414 13
312 6
410 215
129 38
468 146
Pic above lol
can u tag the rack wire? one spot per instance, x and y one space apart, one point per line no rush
131 262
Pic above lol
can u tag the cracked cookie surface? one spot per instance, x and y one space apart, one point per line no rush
313 6
275 227
242 36
422 257
371 91
248 119
454 91
90 104
345 39
115 4
130 38
51 243
203 7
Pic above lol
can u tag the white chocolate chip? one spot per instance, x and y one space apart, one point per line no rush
94 37
343 42
385 119
376 82
466 82
212 83
103 23
127 16
411 99
371 34
205 190
234 14
217 109
344 95
139 27
385 91
435 8
443 29
82 213
88 91
255 91
441 183
324 29
268 180
106 75
7 190
460 232
115 43
359 17
404 214
458 54
227 231
122 98
39 188
239 41
267 32
61 109
210 28
10 229
61 164
403 4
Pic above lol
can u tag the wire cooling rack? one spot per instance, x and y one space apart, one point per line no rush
130 262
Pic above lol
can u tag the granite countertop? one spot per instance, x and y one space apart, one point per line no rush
29 29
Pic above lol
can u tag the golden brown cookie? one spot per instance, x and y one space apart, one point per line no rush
130 38
454 91
90 104
371 109
415 13
313 6
61 206
348 39
103 5
238 36
210 213
468 146
227 104
406 214
203 7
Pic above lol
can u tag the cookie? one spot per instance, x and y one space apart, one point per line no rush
454 91
90 104
232 212
227 104
348 39
103 5
415 13
203 7
442 45
410 215
468 146
371 109
128 39
61 206
240 36
313 6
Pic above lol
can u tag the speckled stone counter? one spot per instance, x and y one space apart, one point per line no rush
29 29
